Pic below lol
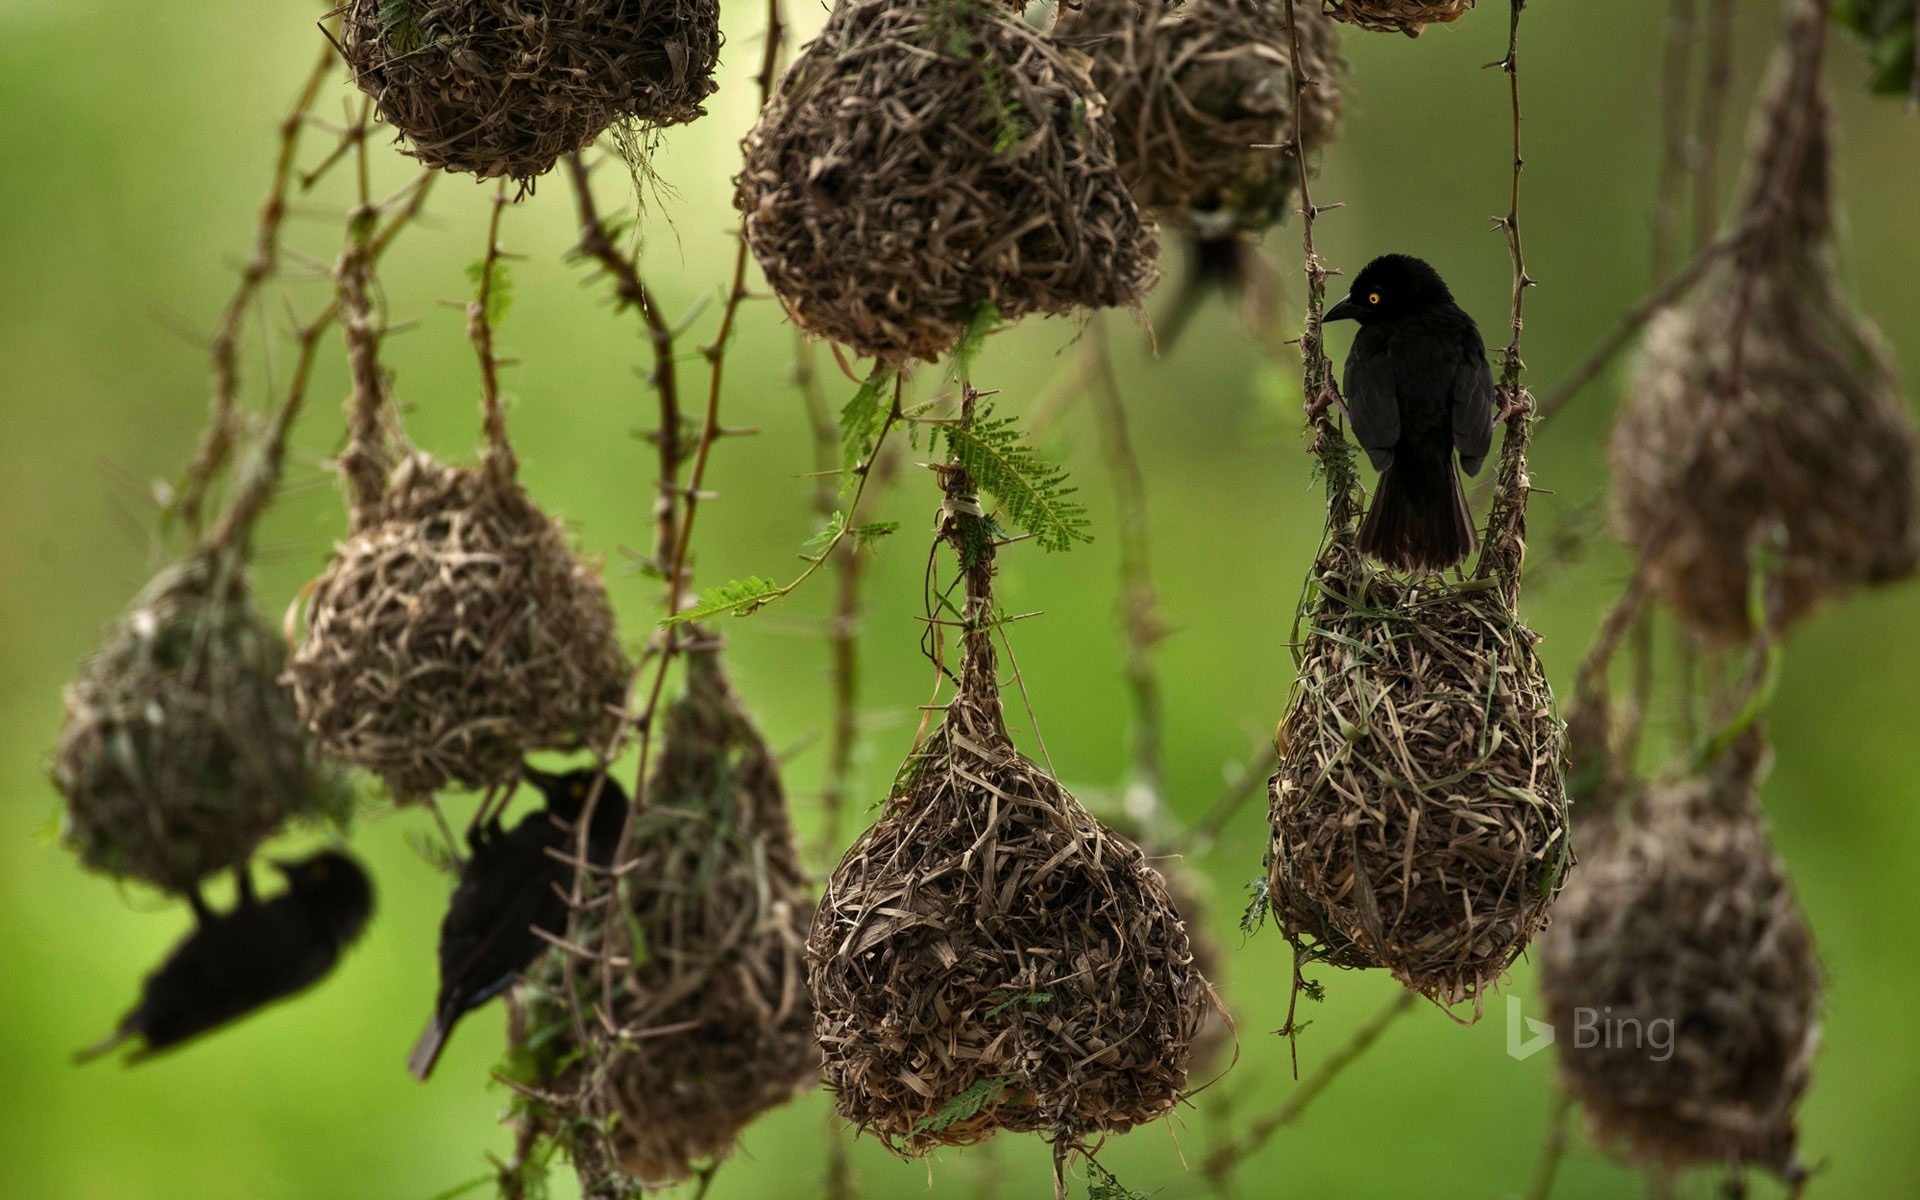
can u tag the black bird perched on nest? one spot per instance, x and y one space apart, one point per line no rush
259 952
1418 389
511 886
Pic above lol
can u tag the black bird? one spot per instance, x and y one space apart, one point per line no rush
510 886
1418 389
238 961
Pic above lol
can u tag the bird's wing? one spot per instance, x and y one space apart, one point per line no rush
243 960
486 938
1372 402
1473 402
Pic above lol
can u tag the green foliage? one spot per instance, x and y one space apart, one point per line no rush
964 1106
986 318
404 34
1102 1184
837 527
865 418
1887 28
1030 999
462 1189
738 597
1259 904
1032 492
497 291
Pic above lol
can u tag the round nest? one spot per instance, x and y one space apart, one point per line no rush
1816 439
1200 95
1419 813
1682 980
713 1022
922 161
182 751
505 87
1410 17
454 633
989 956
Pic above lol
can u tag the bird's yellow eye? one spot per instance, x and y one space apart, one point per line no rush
579 791
317 869
1373 297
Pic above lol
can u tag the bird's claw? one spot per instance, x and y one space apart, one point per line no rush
1518 407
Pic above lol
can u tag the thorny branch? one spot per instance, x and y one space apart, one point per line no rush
1710 122
223 421
500 456
1675 150
1553 1148
1226 1158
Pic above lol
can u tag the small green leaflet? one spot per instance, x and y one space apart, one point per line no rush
862 535
864 417
1258 904
739 597
1032 492
967 1104
1030 999
499 294
986 319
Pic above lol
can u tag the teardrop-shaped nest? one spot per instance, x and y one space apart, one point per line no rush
505 87
706 966
920 160
1419 813
1679 940
1410 17
989 956
182 751
454 633
1815 440
1200 94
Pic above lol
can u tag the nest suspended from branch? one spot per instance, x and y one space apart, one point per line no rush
920 160
706 966
1410 17
989 956
1419 813
1201 96
1679 950
1815 438
182 751
505 87
454 633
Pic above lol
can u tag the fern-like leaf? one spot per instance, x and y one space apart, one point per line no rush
740 597
498 290
864 417
1033 493
963 1106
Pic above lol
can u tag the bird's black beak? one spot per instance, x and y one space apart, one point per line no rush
1344 310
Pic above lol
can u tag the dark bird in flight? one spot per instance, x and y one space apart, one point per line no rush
238 961
509 887
1418 389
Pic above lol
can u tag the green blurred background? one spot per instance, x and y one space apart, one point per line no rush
135 142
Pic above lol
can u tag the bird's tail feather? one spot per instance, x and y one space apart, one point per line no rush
1419 520
105 1045
426 1051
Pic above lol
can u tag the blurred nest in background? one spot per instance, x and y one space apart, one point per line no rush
1410 17
705 964
921 160
1680 932
1812 436
1419 815
182 751
1201 97
454 633
989 956
505 87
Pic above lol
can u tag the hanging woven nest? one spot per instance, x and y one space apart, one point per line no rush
706 966
1419 813
1201 96
1410 17
454 633
1815 438
505 87
988 956
182 751
921 160
1679 950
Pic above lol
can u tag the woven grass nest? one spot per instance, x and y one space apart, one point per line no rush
988 956
1199 95
1681 912
1817 440
920 160
711 1005
1419 812
505 87
182 751
1410 17
454 633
